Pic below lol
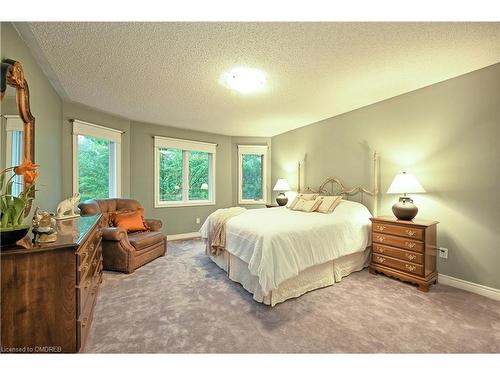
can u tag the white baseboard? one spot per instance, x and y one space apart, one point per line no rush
470 287
183 236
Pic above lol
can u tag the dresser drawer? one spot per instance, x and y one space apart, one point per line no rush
86 251
413 268
398 253
84 322
404 243
93 254
399 230
86 285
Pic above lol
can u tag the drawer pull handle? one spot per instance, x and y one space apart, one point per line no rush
87 284
84 267
380 238
410 233
381 227
411 256
410 268
84 322
381 260
380 249
410 245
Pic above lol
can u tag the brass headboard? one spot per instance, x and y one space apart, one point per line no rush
335 186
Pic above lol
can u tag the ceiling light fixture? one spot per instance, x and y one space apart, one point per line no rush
244 80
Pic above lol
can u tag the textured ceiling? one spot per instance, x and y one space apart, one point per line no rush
168 73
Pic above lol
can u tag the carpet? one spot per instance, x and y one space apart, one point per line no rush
183 303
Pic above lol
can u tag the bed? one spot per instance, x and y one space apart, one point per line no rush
277 253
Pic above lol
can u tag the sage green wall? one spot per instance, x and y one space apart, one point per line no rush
80 112
46 106
176 219
447 134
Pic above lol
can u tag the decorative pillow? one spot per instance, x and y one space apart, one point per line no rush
306 197
328 204
307 205
131 221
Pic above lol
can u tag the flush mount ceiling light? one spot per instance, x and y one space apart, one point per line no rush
244 80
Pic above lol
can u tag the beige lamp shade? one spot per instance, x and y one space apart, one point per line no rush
282 185
405 183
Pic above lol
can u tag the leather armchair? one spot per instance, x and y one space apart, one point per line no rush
122 251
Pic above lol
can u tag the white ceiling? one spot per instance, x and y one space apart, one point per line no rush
168 73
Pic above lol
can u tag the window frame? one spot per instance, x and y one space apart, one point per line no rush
108 134
185 146
13 124
252 150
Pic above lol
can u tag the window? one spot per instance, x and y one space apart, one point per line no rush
252 187
184 172
14 149
96 161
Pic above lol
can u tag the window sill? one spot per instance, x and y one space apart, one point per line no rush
252 202
183 204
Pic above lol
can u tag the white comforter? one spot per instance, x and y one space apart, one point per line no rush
278 243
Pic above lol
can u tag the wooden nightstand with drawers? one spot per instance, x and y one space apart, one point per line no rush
405 250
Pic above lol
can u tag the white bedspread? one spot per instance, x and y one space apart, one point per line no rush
278 243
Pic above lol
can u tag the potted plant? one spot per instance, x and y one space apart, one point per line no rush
14 209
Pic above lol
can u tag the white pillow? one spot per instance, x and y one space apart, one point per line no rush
306 197
307 205
328 203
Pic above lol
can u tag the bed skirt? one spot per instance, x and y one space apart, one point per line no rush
315 277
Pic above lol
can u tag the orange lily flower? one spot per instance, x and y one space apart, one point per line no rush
30 177
27 165
28 170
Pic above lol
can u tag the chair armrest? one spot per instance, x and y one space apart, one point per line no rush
114 234
154 224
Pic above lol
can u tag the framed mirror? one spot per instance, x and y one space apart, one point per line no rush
18 124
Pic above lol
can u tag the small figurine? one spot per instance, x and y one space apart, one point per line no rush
44 226
66 208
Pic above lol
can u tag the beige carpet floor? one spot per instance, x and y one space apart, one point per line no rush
183 303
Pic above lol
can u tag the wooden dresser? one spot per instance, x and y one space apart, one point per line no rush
405 250
48 292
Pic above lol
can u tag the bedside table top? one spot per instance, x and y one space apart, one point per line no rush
394 220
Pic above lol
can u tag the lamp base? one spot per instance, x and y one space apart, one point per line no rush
405 209
281 199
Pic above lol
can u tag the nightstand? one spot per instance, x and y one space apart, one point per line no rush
272 205
405 250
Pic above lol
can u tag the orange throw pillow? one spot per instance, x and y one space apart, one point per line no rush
130 221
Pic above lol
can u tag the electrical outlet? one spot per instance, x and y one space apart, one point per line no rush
443 252
197 220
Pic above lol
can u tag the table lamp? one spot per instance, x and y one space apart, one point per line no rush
405 183
281 186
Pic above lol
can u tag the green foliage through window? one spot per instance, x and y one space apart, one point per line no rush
93 167
198 175
172 175
252 176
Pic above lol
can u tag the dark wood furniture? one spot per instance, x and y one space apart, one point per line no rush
48 291
405 250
